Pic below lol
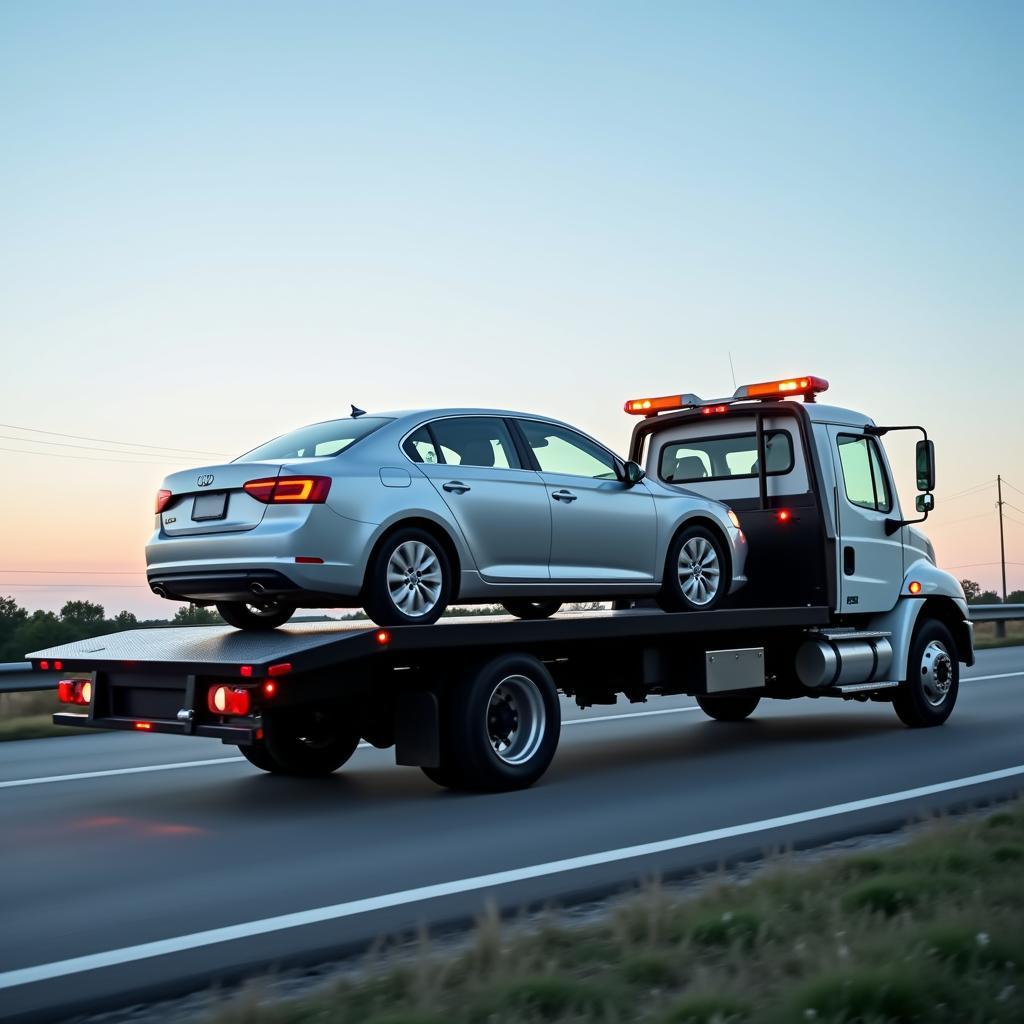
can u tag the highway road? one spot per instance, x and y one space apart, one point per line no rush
133 866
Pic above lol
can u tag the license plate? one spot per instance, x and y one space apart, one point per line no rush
209 506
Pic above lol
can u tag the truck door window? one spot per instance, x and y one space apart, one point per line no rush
559 450
476 441
863 473
730 457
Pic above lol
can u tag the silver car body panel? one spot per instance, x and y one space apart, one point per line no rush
509 535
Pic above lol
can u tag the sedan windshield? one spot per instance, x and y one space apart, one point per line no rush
316 441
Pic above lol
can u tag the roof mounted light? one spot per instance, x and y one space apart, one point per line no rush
806 386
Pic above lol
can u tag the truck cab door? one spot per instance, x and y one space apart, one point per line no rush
870 560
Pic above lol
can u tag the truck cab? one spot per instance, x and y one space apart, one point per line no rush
813 489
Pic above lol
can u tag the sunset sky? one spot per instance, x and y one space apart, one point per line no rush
220 221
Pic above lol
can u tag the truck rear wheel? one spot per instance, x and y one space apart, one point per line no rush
522 608
928 694
499 726
254 616
730 708
304 741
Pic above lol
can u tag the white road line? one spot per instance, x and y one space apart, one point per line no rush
318 915
999 675
143 769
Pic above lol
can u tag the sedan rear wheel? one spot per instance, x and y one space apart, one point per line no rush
409 582
254 616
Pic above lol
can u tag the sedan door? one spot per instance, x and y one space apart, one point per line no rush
602 530
500 507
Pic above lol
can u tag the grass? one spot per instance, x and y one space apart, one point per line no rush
985 635
928 932
26 716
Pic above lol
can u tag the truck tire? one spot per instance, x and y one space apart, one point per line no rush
928 694
499 726
309 741
730 708
256 754
253 616
522 608
697 571
409 581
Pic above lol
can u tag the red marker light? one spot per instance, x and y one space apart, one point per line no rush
245 670
144 726
783 515
58 665
307 560
383 637
714 410
44 666
280 669
914 587
269 688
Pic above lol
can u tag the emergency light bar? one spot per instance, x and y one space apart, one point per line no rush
806 387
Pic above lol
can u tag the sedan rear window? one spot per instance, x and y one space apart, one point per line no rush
321 439
724 458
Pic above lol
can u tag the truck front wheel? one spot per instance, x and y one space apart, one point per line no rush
499 726
928 694
303 741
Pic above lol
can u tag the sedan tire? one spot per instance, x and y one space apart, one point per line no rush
697 572
409 582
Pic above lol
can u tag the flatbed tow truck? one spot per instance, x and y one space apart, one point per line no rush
844 601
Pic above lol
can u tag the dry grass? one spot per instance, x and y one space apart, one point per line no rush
985 635
929 931
26 716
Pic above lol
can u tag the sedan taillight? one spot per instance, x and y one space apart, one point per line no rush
290 490
162 499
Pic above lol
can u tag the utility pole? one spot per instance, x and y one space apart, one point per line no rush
1001 626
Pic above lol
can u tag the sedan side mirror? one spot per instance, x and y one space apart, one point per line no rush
632 474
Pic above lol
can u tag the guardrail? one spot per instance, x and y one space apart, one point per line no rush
18 677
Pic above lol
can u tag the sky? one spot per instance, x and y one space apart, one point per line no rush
221 221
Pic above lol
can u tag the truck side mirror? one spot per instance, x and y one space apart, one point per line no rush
632 474
925 466
925 502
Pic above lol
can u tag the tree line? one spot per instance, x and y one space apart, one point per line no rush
975 595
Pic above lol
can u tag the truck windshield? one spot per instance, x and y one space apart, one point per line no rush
318 440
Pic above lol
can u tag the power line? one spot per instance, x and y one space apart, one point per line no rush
968 491
962 519
83 447
971 565
1014 507
1013 487
91 458
104 440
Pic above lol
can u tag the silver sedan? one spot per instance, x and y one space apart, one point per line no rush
405 512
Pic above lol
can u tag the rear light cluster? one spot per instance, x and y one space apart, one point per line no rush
229 700
163 499
290 490
74 691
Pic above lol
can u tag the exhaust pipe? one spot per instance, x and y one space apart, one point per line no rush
159 591
257 588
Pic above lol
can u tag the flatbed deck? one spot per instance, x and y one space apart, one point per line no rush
310 646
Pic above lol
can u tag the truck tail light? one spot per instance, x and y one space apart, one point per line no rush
714 410
74 691
228 700
290 490
162 500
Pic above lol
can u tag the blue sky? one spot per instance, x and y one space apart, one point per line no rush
218 221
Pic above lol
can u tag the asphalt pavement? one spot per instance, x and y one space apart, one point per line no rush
133 866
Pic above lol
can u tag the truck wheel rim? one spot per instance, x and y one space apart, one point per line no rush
516 719
699 571
414 578
936 673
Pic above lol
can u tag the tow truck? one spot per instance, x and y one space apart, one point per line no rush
844 601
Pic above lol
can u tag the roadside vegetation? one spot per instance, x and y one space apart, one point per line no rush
926 931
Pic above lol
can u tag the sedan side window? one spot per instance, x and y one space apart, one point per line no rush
559 450
864 473
476 441
420 447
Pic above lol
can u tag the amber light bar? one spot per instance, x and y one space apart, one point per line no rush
645 406
790 386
